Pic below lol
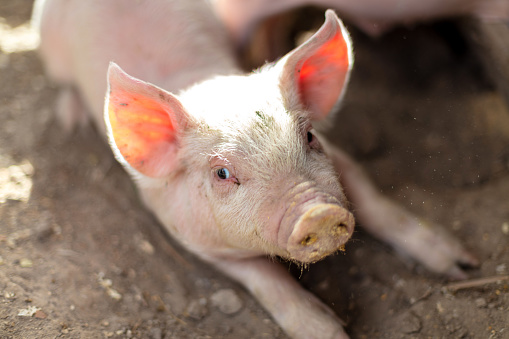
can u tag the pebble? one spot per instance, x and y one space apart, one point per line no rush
505 228
227 301
197 309
480 302
113 294
146 247
26 263
28 312
40 314
501 269
107 285
409 323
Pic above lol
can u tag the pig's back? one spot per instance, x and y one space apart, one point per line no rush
171 43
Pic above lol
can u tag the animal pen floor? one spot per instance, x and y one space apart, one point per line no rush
81 258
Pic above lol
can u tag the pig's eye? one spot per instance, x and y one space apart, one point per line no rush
313 141
310 137
223 173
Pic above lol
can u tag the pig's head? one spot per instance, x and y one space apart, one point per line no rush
232 165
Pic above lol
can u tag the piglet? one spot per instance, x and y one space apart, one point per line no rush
372 16
229 163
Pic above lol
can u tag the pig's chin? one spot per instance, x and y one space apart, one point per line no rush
313 226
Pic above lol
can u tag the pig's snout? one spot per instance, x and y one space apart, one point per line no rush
322 230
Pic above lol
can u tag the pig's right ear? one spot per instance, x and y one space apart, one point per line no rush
143 123
314 75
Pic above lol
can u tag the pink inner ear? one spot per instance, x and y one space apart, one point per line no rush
322 76
143 131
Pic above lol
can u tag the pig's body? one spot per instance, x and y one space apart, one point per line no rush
373 16
231 165
175 63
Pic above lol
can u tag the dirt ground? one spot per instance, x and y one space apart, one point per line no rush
81 258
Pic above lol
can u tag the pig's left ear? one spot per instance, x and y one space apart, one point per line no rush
143 123
314 75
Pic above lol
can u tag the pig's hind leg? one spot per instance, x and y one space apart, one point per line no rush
71 110
296 310
429 244
48 18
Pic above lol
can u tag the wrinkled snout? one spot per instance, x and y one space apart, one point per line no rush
322 230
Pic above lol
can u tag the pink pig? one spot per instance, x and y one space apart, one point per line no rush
373 16
229 163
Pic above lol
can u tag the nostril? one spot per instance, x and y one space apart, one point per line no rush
340 229
309 239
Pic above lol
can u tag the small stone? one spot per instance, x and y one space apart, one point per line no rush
28 312
107 285
501 269
114 294
480 302
400 284
40 314
227 301
146 247
26 263
409 323
197 309
505 228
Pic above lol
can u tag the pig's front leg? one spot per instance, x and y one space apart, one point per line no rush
296 310
430 244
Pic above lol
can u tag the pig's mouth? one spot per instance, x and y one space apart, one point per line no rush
314 225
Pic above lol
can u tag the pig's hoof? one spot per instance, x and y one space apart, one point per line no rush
465 260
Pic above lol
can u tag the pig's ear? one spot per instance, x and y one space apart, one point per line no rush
314 75
143 123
